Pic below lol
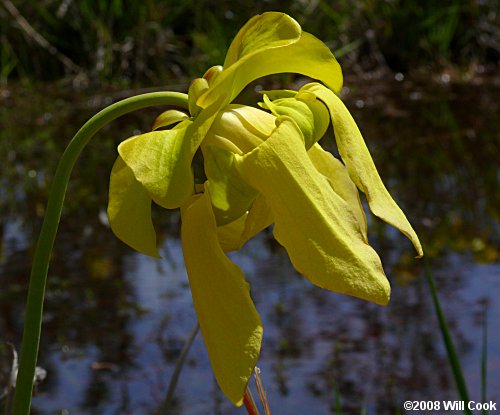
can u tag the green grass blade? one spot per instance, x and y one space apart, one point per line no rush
448 342
39 270
338 402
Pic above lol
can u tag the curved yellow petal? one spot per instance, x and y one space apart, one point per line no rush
341 183
230 325
129 210
235 234
269 44
264 31
316 226
359 163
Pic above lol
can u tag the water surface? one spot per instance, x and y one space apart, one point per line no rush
115 321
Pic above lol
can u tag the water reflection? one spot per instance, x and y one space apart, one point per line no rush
441 144
115 322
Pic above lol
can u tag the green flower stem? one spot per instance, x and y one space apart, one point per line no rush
36 290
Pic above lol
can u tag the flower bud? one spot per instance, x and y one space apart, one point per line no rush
212 73
197 87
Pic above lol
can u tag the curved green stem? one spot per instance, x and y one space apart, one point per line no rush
36 290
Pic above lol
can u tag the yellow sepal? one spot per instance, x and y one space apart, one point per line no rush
317 227
359 164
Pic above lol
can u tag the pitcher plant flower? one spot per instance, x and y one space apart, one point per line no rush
263 167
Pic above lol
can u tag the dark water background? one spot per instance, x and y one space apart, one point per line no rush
115 321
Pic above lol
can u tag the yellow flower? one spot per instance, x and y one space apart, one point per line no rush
263 167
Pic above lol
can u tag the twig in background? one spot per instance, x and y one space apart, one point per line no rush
38 38
178 368
261 391
40 375
7 393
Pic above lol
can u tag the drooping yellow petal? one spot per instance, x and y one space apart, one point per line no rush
129 210
235 234
230 325
316 226
340 181
272 43
359 163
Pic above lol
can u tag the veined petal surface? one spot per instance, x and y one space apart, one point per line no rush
129 210
316 226
359 163
230 325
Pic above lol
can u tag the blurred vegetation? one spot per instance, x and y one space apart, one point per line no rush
155 41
